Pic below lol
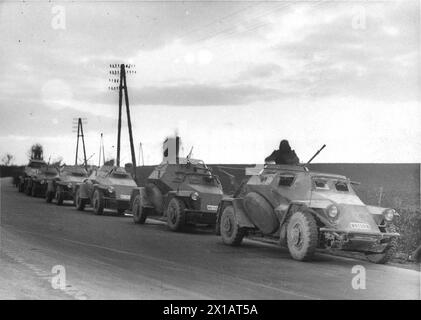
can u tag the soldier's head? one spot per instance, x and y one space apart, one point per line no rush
284 146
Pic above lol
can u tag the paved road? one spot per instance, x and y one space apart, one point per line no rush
109 257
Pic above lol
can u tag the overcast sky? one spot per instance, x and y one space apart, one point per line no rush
232 78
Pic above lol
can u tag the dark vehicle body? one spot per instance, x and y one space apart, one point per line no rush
108 187
307 210
183 193
36 183
64 185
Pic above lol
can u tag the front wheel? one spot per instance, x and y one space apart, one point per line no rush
231 232
79 202
176 214
34 190
59 196
98 202
49 196
139 213
302 236
388 253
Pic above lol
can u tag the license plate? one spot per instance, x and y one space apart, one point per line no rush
211 208
360 226
125 197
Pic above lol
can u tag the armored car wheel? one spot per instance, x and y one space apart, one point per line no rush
98 202
231 233
27 189
139 213
59 196
79 202
49 196
34 190
302 236
175 214
388 253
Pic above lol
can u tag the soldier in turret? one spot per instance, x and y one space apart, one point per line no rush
284 155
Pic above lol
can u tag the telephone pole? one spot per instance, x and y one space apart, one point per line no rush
80 135
122 90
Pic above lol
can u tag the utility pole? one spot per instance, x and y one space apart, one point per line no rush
101 151
122 90
141 150
80 135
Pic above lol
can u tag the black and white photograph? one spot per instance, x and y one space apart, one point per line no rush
210 150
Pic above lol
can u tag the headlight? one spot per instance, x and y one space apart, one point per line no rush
42 182
69 186
389 214
110 190
332 211
194 196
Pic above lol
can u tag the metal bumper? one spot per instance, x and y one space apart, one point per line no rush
363 234
360 241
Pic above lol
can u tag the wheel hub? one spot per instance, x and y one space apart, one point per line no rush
227 225
296 235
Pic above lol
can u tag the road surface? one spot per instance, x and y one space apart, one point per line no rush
110 257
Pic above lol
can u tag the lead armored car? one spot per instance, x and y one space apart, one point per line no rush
306 210
63 187
108 187
181 191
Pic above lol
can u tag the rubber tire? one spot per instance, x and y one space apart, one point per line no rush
79 202
139 213
178 208
34 190
99 197
236 236
261 213
382 258
59 197
27 190
49 196
309 232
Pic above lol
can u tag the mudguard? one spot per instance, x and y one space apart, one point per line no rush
51 186
283 211
84 191
240 214
144 198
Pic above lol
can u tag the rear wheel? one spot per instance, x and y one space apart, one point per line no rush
49 196
139 213
388 253
27 189
59 196
34 190
231 233
79 202
302 236
176 214
98 202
